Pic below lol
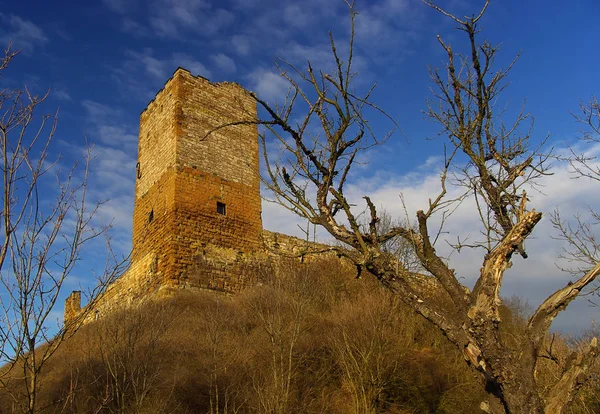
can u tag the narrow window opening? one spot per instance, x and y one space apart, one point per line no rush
150 216
221 208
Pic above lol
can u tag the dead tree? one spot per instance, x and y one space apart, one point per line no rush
582 249
45 223
310 175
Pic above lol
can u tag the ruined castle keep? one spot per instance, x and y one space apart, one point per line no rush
197 214
195 187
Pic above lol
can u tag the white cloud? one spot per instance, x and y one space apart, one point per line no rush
396 6
115 169
112 171
534 278
279 219
98 112
268 85
143 73
108 125
24 34
297 14
241 44
191 64
389 25
370 26
154 67
320 56
161 69
61 94
223 62
117 134
128 25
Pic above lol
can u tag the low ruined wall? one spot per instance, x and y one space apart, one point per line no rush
221 269
226 270
135 285
278 244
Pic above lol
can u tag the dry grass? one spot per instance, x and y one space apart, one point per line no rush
309 340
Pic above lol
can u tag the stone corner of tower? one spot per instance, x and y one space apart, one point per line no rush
178 75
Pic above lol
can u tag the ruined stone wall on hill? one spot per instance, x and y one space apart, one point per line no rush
226 270
211 267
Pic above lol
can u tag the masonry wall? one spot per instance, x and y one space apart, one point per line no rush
141 280
159 129
184 171
72 305
154 220
230 153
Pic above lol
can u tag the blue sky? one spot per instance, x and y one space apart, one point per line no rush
103 61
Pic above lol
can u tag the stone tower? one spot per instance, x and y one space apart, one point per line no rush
194 190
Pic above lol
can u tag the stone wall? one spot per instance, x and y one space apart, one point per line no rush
230 153
279 244
184 173
140 281
72 305
159 129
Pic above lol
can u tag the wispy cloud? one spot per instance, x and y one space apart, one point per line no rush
112 172
119 6
223 62
142 73
190 63
171 18
152 66
162 68
24 34
130 26
109 125
269 85
241 43
61 94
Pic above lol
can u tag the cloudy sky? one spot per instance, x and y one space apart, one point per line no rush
103 61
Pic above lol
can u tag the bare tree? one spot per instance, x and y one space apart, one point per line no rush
581 233
398 247
45 224
132 352
281 318
590 117
369 339
310 176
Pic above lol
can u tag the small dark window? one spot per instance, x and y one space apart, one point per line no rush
221 208
150 216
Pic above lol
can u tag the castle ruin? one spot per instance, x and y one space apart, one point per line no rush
197 214
194 188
